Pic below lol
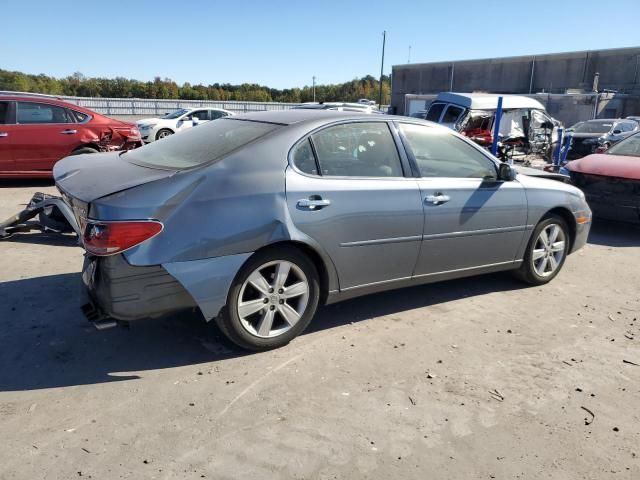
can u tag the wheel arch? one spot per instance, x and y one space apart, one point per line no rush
326 272
93 145
570 220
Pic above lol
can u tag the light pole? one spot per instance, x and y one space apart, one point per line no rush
384 39
314 89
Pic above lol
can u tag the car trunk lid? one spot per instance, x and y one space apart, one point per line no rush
92 176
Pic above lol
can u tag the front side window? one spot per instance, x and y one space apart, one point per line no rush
31 112
435 111
4 112
357 150
452 114
442 154
197 146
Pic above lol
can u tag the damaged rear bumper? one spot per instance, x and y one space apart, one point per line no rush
116 290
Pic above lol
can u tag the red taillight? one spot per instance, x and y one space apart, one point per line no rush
109 238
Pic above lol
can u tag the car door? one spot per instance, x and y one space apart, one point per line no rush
7 128
186 121
44 133
346 189
470 218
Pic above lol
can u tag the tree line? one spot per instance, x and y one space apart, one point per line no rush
120 87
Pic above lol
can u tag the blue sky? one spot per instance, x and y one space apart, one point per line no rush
283 44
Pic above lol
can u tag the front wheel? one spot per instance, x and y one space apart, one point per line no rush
165 132
272 299
546 252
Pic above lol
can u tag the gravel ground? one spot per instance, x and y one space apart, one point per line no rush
472 379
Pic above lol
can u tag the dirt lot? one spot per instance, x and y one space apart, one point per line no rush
396 385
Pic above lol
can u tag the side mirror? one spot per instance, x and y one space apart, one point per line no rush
617 132
195 121
506 173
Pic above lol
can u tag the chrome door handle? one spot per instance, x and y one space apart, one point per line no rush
4 134
313 203
437 199
68 132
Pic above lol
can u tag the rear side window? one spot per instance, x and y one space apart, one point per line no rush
31 112
357 150
304 159
442 154
80 117
197 146
435 110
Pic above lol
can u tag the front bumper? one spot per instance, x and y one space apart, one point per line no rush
121 291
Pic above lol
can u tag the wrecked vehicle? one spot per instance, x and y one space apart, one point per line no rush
256 220
611 180
152 129
596 136
526 129
37 131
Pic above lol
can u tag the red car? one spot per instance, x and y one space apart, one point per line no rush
36 132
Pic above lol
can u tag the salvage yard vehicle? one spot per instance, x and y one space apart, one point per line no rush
37 131
524 125
153 129
258 219
339 107
596 136
611 180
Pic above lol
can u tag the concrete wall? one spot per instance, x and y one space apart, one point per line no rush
552 73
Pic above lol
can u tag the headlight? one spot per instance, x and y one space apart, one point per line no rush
147 127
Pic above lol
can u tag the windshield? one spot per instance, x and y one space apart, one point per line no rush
176 114
629 146
199 145
592 127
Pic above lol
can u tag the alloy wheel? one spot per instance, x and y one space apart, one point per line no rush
549 250
273 298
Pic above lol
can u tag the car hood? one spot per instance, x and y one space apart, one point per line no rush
146 121
91 176
607 165
534 172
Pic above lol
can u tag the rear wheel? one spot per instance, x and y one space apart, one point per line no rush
272 299
546 252
165 132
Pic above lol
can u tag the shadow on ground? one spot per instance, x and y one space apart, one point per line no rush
614 234
46 342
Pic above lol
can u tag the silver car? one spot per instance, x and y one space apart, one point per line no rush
258 219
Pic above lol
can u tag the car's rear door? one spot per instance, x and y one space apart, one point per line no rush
7 128
471 219
44 133
347 190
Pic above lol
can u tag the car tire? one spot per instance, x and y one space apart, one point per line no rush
83 150
272 299
544 259
162 133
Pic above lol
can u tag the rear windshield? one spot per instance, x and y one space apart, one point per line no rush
593 127
629 146
199 145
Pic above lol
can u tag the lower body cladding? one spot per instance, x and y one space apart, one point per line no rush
117 290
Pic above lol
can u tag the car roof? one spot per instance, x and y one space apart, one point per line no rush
487 101
47 99
299 115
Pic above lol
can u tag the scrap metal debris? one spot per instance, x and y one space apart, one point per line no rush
588 421
496 395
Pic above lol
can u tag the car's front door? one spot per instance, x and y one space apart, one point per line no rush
471 219
186 121
347 191
44 133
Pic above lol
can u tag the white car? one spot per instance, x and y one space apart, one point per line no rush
152 129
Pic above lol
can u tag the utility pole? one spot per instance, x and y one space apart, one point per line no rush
314 89
384 40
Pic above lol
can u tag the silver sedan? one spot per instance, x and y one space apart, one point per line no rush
258 219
